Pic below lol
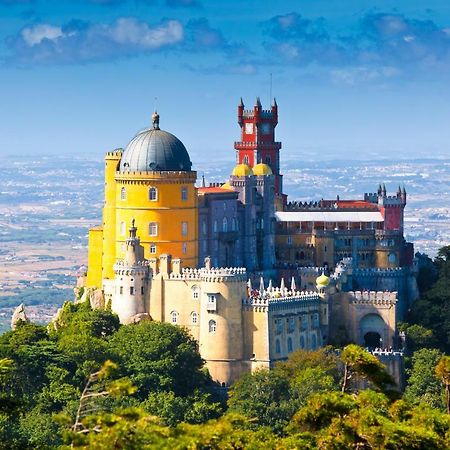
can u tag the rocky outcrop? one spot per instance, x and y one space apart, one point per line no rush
19 316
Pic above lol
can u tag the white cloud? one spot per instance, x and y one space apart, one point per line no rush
37 33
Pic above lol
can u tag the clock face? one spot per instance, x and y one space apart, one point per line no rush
265 128
248 128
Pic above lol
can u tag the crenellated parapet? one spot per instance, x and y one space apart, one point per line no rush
378 272
373 297
212 274
276 300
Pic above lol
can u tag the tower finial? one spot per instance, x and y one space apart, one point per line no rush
258 102
241 103
203 180
155 120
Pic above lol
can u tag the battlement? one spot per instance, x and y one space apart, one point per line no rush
311 271
117 153
375 271
374 297
277 299
212 274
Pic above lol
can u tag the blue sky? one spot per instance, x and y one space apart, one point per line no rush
354 78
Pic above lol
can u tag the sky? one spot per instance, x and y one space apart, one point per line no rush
354 79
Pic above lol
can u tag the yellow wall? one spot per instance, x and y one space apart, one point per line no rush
168 211
94 275
112 160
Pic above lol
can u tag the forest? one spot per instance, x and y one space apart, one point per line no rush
88 382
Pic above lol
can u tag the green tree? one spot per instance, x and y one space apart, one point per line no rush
359 364
443 373
423 386
158 357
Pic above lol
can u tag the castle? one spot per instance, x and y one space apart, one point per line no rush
250 274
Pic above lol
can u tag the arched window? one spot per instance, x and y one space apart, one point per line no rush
225 225
122 228
153 229
289 345
233 224
123 194
302 342
204 227
152 249
392 258
153 194
195 292
268 160
184 248
184 193
246 161
215 227
174 317
212 326
277 346
194 318
314 342
184 228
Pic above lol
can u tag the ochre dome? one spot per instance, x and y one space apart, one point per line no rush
242 170
226 185
153 149
262 169
322 281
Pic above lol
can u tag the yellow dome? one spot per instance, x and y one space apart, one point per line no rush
323 280
226 185
242 170
262 169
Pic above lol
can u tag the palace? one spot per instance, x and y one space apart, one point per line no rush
252 275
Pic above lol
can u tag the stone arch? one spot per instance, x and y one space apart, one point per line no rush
373 331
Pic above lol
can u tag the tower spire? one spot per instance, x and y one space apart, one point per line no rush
155 120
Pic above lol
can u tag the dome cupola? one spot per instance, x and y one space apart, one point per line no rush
242 170
262 169
153 149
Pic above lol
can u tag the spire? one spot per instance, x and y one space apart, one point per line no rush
132 230
379 189
270 287
404 190
155 120
293 286
261 285
249 284
282 286
383 190
241 103
275 104
258 102
203 180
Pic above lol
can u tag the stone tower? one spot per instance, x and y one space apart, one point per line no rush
132 280
257 142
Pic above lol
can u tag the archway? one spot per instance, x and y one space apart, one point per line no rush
372 340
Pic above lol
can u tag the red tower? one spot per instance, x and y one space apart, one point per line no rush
257 142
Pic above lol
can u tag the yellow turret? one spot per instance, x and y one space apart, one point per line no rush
242 170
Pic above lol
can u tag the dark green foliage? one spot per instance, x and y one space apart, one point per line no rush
158 357
432 309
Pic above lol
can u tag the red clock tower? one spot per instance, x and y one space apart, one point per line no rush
257 142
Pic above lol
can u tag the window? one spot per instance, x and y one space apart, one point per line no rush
122 228
233 224
212 326
153 229
195 292
268 160
121 290
131 290
153 194
184 248
123 194
278 326
302 342
246 161
304 322
289 240
277 346
314 342
204 227
142 290
184 193
224 206
194 318
205 246
291 324
224 225
392 258
315 320
152 249
174 317
184 228
289 345
212 303
215 227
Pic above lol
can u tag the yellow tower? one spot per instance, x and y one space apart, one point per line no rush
152 183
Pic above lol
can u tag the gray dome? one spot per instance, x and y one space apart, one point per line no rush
153 149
